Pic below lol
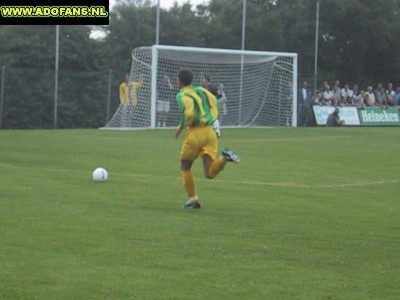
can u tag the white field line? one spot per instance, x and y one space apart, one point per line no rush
232 182
356 184
291 139
307 186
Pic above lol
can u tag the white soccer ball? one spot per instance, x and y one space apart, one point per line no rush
100 174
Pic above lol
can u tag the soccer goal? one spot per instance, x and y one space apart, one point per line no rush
260 87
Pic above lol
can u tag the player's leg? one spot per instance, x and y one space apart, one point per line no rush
124 115
189 184
131 114
211 165
188 155
188 178
166 111
159 113
162 119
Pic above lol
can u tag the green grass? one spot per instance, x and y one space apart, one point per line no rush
307 214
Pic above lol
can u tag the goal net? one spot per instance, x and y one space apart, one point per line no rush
259 86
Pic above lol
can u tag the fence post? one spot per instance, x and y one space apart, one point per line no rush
57 54
109 94
3 72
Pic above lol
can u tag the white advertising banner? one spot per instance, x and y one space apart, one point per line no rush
347 114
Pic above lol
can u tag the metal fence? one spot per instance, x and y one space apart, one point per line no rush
29 99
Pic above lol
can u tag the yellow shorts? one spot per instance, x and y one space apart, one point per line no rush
199 141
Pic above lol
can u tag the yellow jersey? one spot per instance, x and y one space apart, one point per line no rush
199 106
128 92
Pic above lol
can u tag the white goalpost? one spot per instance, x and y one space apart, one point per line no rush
260 87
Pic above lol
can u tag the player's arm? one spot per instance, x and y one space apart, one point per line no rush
181 125
182 107
178 130
171 87
223 98
139 83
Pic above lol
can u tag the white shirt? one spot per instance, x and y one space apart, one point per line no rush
328 95
347 93
392 93
304 93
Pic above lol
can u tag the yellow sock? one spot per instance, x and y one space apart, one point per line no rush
216 167
189 183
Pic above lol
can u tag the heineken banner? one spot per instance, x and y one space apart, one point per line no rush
379 117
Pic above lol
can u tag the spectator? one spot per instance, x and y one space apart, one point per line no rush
369 97
164 90
336 93
356 95
359 99
334 119
222 99
346 95
128 98
304 107
207 84
223 109
390 95
128 90
397 96
328 98
380 95
319 96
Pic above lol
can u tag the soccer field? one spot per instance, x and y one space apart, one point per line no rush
307 214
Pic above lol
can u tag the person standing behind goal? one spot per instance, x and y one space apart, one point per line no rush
128 98
222 102
164 90
207 84
199 111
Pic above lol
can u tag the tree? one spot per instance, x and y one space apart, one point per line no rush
360 40
130 26
28 56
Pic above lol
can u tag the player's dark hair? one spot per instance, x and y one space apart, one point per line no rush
207 77
125 74
185 76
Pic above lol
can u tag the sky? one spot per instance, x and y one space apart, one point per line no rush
169 3
163 3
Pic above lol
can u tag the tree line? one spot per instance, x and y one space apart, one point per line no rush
358 43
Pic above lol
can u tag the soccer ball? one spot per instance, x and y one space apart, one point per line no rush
100 174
